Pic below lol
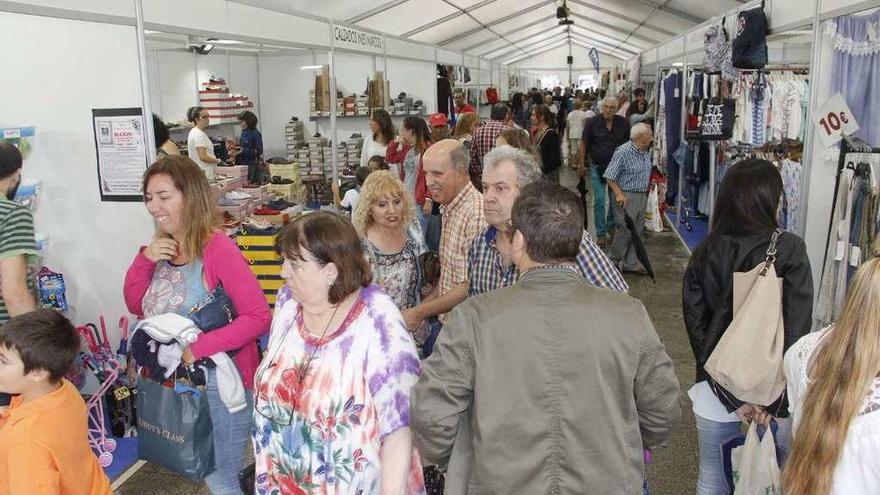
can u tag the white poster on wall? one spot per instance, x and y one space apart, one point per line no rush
122 154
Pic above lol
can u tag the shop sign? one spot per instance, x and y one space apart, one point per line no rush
355 39
833 119
122 153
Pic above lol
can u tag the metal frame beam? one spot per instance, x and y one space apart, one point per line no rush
502 52
624 18
512 31
519 41
669 10
589 35
495 22
375 11
447 18
601 44
618 30
600 50
536 53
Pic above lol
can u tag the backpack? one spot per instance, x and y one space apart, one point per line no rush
750 45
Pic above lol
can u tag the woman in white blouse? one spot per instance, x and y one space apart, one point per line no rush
383 133
198 145
834 390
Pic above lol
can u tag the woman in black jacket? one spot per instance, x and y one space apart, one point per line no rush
744 221
547 142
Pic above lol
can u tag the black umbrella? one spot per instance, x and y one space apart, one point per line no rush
582 188
639 246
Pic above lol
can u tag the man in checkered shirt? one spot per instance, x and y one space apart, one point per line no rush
446 174
484 139
507 171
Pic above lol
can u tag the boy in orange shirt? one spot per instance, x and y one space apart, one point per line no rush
43 435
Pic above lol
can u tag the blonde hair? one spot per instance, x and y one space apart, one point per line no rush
842 373
199 214
465 125
378 184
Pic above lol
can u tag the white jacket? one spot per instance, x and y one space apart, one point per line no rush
171 327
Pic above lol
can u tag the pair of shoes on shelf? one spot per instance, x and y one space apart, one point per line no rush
238 195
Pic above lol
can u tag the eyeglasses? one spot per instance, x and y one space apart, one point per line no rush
274 413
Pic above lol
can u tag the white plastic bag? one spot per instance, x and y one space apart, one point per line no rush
653 222
758 472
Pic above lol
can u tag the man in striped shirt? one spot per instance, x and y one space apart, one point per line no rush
17 243
507 171
628 175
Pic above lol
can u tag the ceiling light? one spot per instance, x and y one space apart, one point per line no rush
311 67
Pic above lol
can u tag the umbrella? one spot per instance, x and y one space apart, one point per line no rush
639 246
582 188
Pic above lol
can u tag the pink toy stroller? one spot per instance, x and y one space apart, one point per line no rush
103 445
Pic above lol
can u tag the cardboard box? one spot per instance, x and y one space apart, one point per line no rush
322 89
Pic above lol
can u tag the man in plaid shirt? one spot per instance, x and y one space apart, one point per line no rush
445 164
507 171
484 139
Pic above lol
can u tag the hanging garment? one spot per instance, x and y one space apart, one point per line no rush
855 70
832 288
791 185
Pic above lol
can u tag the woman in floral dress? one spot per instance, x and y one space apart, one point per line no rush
332 400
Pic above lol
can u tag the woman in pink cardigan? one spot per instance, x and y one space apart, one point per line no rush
187 259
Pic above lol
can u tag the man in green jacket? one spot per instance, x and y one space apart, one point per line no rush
550 385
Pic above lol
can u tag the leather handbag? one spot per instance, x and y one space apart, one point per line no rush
214 311
747 361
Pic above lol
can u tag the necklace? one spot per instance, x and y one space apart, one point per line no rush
304 367
557 266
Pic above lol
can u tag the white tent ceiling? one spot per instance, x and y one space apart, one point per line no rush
511 30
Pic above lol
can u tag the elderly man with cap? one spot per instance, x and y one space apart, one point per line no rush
550 385
506 172
446 173
439 127
628 176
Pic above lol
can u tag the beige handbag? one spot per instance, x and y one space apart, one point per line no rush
748 359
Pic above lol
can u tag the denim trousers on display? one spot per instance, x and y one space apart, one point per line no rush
711 436
231 437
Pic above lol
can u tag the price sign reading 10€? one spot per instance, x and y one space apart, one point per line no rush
833 119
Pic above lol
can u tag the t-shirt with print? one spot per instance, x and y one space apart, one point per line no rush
16 239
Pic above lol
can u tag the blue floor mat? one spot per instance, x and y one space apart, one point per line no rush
125 455
692 238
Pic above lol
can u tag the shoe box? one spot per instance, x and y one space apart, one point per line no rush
233 170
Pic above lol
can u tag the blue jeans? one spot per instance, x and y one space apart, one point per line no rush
231 436
599 189
711 435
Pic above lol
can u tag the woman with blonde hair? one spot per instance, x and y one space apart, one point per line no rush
834 389
465 127
392 240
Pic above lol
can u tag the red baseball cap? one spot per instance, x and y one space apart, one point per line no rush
437 119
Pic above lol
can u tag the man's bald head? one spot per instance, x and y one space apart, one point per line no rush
446 169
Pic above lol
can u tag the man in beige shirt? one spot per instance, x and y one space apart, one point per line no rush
446 174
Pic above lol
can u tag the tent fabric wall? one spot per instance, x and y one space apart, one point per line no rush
90 242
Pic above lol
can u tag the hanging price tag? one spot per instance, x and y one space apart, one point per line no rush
833 119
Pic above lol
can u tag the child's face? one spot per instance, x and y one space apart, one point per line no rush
13 379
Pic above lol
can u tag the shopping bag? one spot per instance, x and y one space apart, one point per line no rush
653 222
758 472
747 361
174 429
